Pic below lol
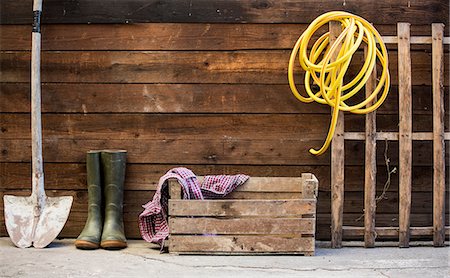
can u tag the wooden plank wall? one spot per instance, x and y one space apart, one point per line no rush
200 84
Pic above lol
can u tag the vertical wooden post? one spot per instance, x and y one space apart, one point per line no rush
438 136
337 164
174 189
174 194
405 140
371 168
309 186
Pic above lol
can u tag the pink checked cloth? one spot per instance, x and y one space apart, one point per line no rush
153 220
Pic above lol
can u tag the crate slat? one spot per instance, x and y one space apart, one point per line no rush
245 226
240 244
269 184
238 208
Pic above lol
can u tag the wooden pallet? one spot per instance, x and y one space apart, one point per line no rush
405 136
263 216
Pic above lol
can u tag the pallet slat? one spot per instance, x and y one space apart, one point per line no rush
393 136
350 231
405 130
337 162
438 137
371 168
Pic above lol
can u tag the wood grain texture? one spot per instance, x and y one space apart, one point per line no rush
205 67
370 182
239 244
405 129
240 208
226 151
187 98
337 162
183 126
176 126
174 189
438 137
252 225
392 232
72 176
228 11
271 184
203 151
310 186
242 226
170 36
222 151
156 98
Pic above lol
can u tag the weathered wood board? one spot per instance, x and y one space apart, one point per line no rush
227 11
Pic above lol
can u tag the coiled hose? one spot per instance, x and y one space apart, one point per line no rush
329 75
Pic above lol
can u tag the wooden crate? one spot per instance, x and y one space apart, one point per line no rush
263 216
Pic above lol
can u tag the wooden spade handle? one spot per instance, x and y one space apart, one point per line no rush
36 126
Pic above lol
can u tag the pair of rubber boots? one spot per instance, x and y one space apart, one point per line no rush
105 181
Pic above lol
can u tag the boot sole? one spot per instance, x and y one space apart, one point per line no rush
113 244
86 245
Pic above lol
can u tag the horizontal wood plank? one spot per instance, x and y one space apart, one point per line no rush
170 36
169 127
229 11
394 136
242 208
182 98
186 126
269 184
240 243
384 232
72 176
223 151
204 151
155 98
241 226
245 67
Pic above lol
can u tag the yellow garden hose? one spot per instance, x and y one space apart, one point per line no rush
329 75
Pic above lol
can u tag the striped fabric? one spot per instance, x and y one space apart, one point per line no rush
153 220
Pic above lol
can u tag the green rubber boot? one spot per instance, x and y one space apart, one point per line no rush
91 234
113 163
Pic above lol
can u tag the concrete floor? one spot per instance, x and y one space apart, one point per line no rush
140 259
